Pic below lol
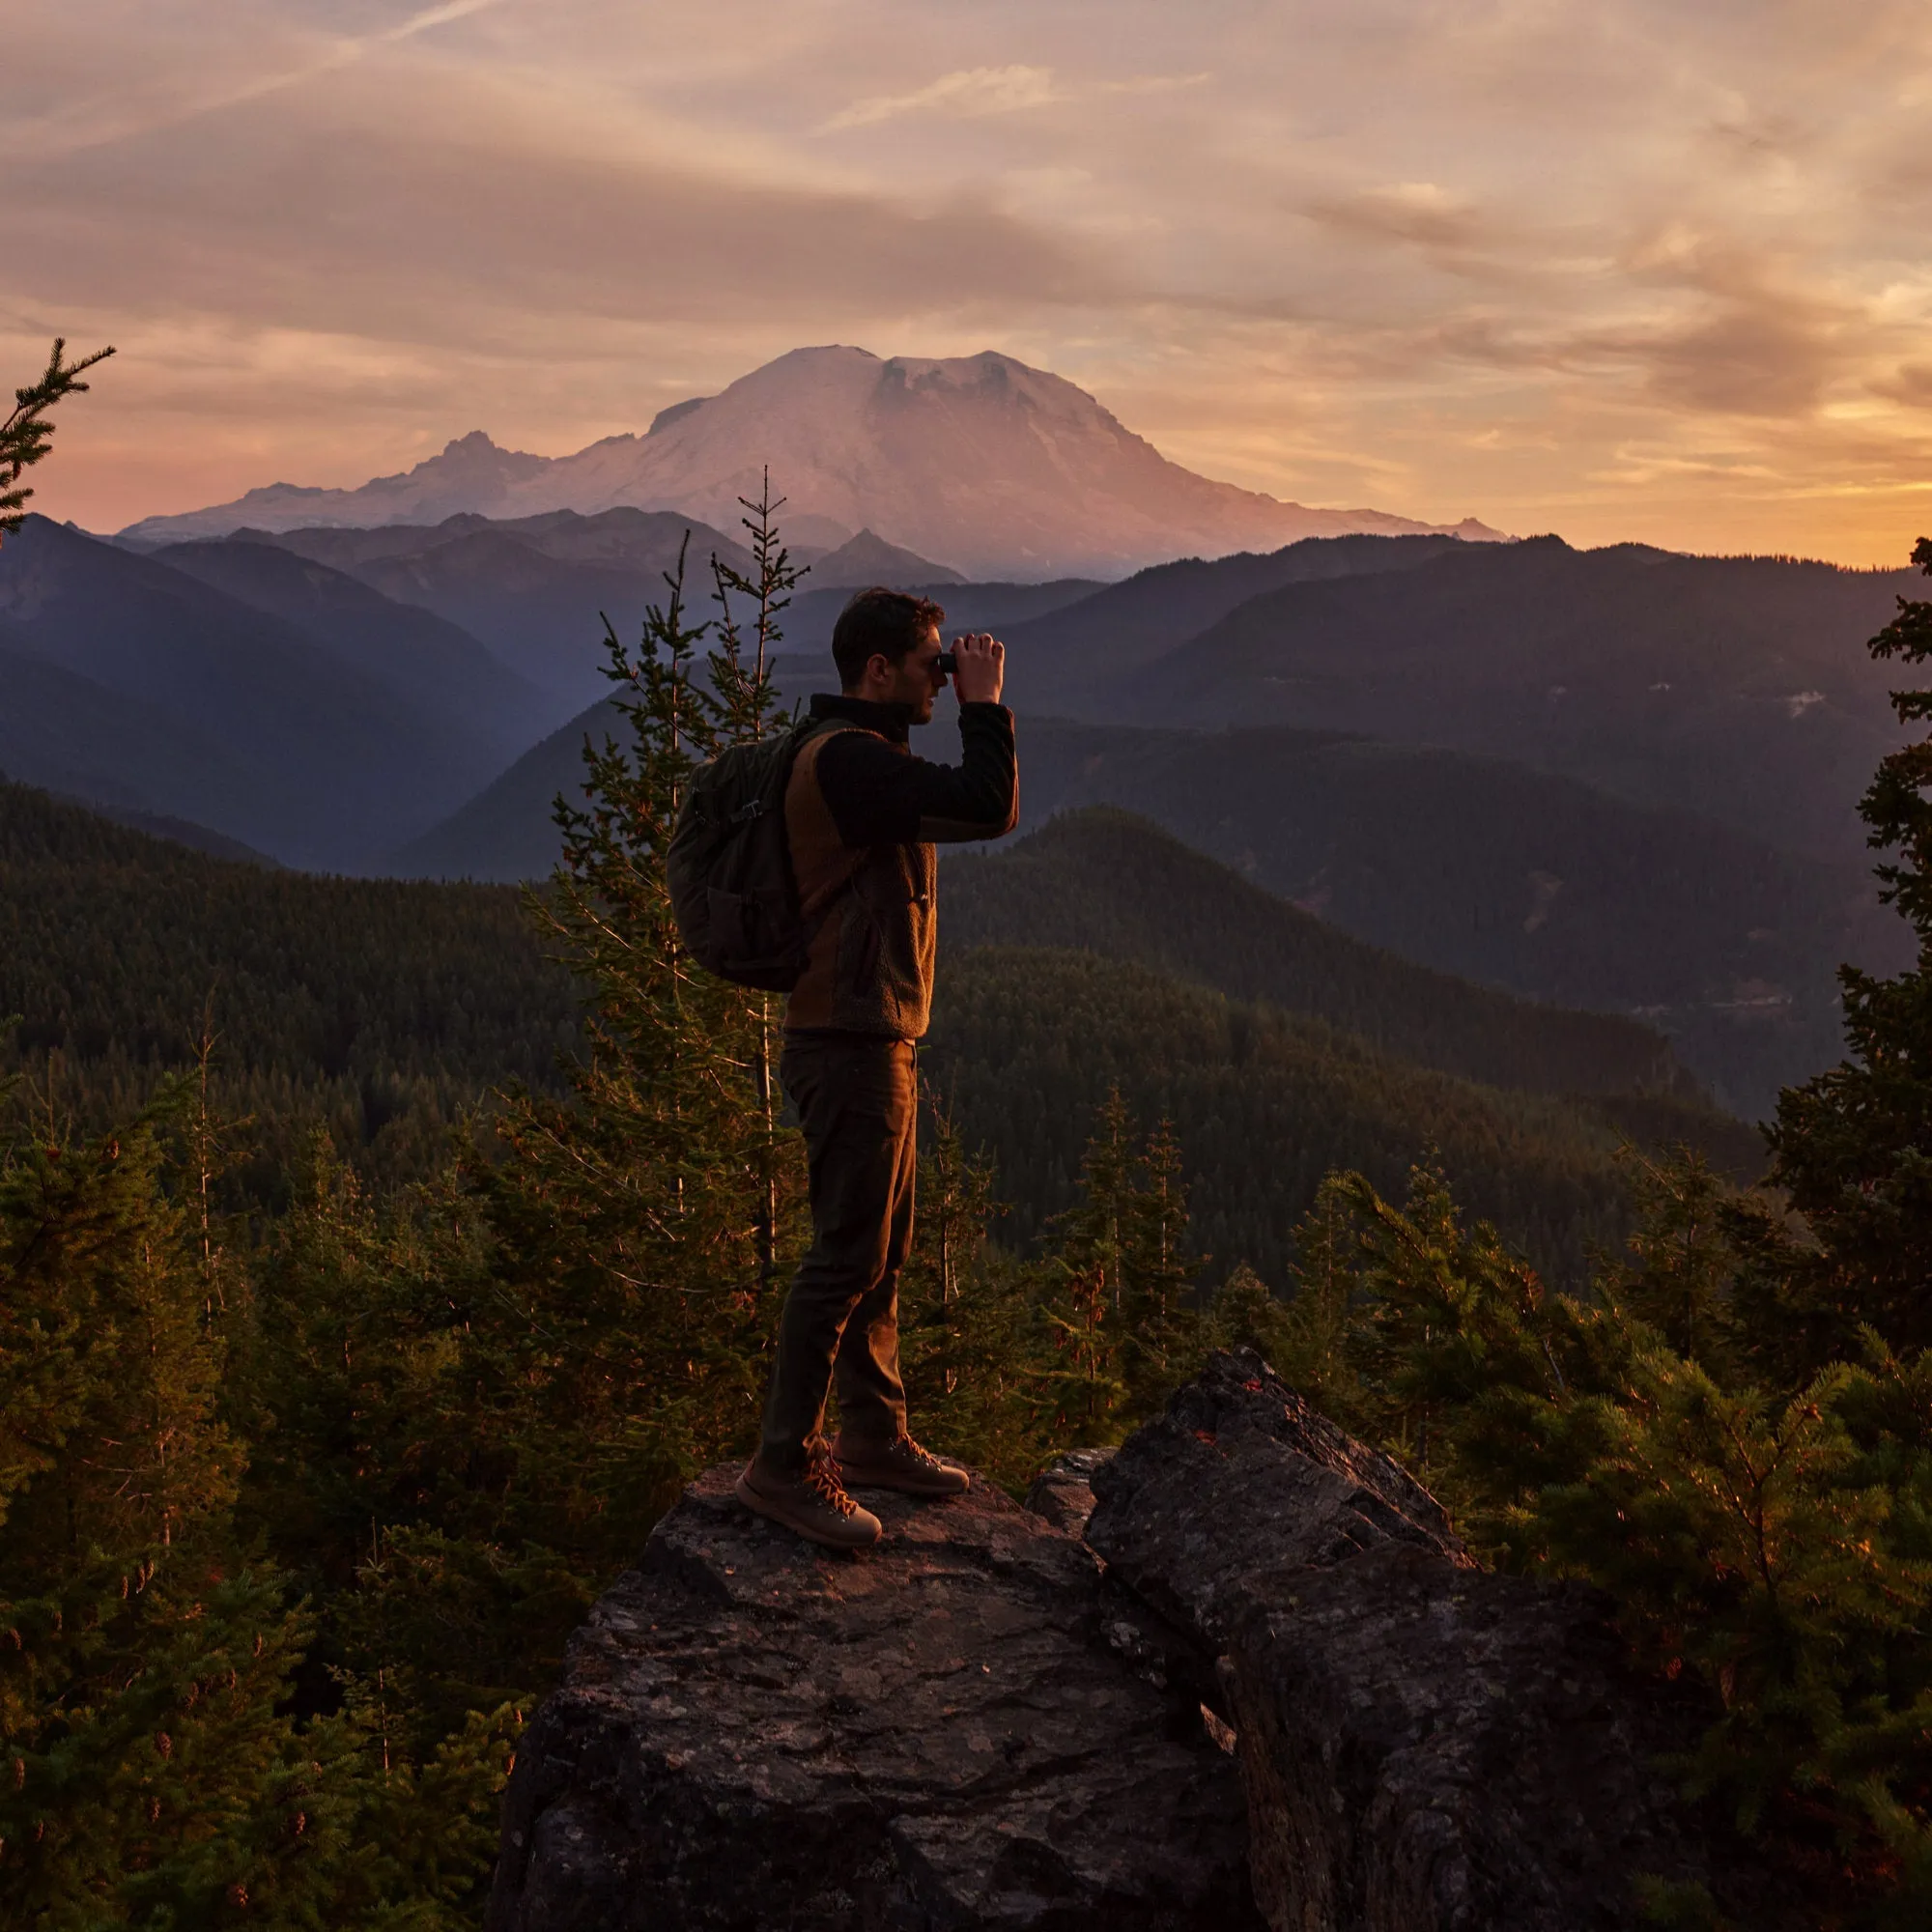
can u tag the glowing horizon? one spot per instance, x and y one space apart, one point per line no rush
1618 272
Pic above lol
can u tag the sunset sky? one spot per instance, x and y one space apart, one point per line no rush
1618 270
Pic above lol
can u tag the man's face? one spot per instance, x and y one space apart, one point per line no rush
915 682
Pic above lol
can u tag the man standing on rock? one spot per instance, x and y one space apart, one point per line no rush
862 814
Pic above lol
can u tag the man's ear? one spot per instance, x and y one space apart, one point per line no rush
878 665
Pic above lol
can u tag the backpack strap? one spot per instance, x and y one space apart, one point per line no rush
823 866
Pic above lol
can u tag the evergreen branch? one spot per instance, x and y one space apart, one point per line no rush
26 436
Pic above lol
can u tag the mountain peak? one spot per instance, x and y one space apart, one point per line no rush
869 559
1005 469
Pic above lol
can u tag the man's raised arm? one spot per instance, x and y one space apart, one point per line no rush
879 795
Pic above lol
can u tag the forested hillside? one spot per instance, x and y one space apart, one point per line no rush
129 680
75 736
1026 1046
506 831
1513 878
312 696
385 1011
380 1010
1111 883
1474 866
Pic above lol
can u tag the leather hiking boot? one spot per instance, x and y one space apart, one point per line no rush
814 1502
899 1464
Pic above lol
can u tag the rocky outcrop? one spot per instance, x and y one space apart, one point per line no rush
957 1730
1289 1698
1425 1747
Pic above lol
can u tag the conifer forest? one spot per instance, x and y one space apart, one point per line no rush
379 1260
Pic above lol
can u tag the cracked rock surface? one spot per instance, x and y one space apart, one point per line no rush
1426 1746
1241 1477
1443 1747
937 1734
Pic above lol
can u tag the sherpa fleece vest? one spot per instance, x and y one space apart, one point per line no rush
871 911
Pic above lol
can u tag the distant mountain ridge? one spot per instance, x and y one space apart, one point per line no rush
281 706
1736 687
1083 651
980 462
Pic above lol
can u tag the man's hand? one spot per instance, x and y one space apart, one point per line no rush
982 667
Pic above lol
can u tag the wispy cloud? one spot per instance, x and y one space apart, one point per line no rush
1415 211
974 93
967 94
156 102
1153 83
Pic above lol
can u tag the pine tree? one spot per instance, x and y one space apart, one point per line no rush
1163 1332
1851 1148
1772 1540
1306 1340
641 1220
151 1771
746 711
1438 1308
387 1471
1118 1283
1083 1296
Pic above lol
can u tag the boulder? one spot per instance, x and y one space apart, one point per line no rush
1429 1747
1241 1477
952 1730
1425 1747
1062 1492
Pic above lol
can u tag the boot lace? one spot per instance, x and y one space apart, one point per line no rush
917 1453
821 1478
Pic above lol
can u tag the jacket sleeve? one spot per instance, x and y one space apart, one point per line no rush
878 795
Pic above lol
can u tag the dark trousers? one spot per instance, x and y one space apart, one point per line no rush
857 1100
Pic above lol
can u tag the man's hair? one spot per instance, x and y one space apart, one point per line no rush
880 623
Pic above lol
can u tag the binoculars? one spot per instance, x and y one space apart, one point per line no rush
945 663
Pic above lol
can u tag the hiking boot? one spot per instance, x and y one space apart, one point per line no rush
814 1502
899 1464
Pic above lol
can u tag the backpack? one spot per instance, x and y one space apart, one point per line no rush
732 888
